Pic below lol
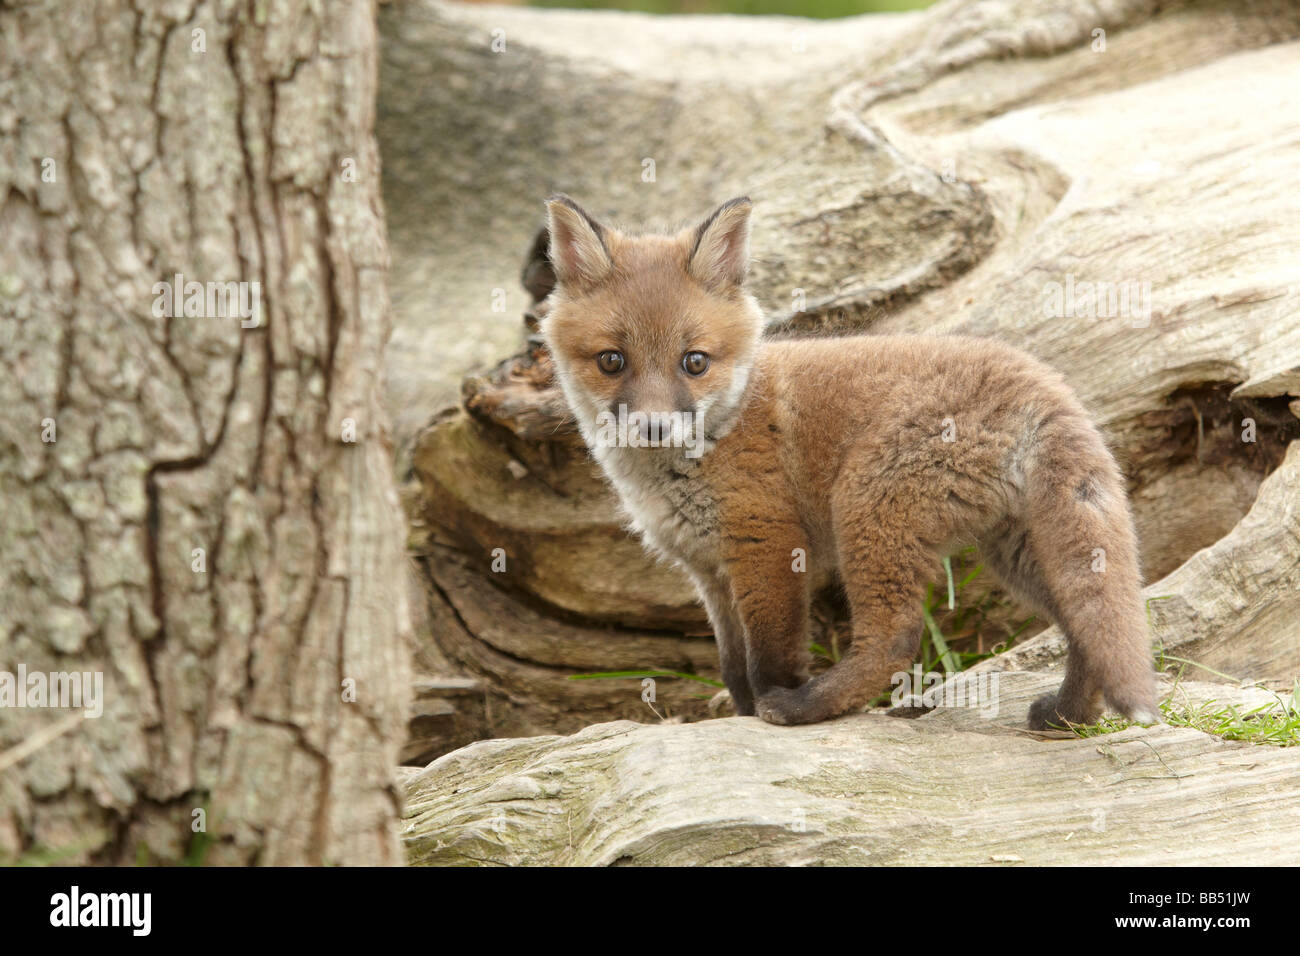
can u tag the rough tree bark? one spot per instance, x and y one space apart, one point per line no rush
939 171
222 142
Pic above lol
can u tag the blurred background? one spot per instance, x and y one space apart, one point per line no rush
794 8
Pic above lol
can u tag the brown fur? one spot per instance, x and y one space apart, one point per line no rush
837 447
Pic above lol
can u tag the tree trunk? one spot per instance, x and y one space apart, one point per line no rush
211 521
955 170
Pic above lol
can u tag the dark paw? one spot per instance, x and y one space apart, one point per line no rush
1043 715
1049 713
792 705
780 705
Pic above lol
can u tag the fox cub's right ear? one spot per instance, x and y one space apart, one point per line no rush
578 251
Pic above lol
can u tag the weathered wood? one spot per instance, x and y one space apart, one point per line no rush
949 788
447 712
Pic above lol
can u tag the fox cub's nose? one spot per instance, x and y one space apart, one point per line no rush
656 428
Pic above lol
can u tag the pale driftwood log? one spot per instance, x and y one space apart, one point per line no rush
952 787
216 147
927 172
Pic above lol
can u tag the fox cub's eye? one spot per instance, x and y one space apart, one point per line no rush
610 363
695 363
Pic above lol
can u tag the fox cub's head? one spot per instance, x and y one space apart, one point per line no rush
652 336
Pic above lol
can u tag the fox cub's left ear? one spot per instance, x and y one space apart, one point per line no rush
720 255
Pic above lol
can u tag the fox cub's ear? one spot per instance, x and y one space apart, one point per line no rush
720 256
577 251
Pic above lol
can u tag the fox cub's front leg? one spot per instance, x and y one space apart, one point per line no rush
771 600
729 632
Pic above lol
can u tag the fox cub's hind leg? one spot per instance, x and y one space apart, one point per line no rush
1076 558
1008 554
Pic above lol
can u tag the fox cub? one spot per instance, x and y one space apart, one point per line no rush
868 457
